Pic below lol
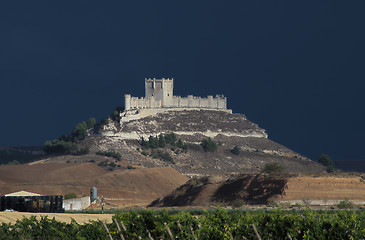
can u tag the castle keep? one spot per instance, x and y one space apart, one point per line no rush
159 94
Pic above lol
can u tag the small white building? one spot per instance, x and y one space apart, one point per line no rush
76 204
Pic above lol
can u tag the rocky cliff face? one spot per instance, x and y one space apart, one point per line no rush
192 126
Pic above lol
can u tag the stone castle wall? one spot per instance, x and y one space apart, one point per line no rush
159 94
218 102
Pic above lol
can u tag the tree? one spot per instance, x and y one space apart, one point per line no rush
79 132
170 138
208 145
326 161
236 150
153 142
161 141
180 144
91 123
273 167
144 143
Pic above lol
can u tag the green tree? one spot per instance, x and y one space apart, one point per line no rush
58 147
236 150
79 132
70 196
180 144
170 138
91 123
208 145
326 161
144 143
161 141
273 167
153 142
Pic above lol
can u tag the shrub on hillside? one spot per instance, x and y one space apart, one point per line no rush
208 145
345 204
91 123
326 161
58 146
115 155
273 167
162 140
13 156
236 150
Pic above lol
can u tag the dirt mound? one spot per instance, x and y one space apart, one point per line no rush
119 188
265 188
206 191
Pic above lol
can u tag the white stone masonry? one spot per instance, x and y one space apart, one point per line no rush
159 94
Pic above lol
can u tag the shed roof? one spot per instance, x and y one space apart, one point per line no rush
21 194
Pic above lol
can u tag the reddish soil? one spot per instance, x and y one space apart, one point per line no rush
120 188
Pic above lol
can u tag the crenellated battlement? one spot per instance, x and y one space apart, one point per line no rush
159 94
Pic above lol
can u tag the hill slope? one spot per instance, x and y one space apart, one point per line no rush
192 126
119 188
264 188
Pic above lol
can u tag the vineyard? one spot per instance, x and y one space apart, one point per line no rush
215 224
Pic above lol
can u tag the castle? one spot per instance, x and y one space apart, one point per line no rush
159 94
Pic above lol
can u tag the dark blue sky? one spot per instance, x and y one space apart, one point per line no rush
294 67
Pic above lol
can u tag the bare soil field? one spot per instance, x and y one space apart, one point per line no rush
325 188
11 217
120 188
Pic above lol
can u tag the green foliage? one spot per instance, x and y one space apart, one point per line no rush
59 147
100 124
208 145
161 141
114 155
66 143
115 115
170 138
273 167
79 132
238 203
13 156
326 161
165 156
236 150
91 123
215 224
82 151
70 196
153 142
345 204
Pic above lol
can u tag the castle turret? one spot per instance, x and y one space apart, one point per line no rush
127 101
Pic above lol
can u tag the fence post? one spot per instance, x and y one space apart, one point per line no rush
107 230
121 234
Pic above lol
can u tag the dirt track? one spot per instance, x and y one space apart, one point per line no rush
62 217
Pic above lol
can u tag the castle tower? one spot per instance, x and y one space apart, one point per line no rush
161 89
127 101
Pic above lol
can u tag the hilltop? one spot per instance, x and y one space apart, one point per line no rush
227 129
